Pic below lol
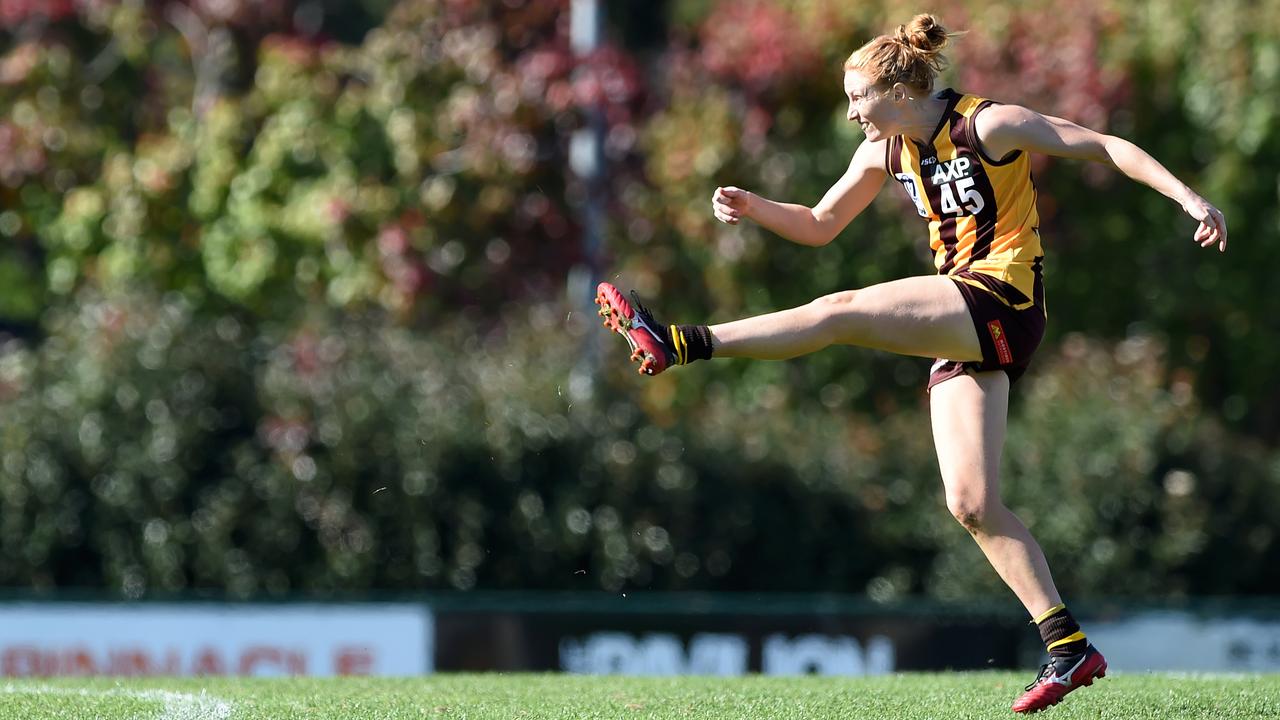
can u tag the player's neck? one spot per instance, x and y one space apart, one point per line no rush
923 117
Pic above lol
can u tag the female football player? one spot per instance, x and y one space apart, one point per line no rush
964 163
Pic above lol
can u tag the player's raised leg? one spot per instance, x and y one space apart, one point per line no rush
922 316
969 414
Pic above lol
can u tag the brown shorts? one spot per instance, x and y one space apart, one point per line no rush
1008 336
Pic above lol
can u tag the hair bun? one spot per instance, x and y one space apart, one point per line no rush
924 33
912 55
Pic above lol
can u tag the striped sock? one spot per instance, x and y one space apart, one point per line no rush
1060 632
690 342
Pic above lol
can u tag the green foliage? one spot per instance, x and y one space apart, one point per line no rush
293 311
361 454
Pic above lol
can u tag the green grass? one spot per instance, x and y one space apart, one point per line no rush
949 696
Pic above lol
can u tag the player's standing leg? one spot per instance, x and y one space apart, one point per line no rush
969 415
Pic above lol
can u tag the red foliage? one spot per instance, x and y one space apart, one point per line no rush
16 12
545 64
18 64
1048 60
247 14
401 263
524 23
544 74
289 436
293 49
21 154
757 44
610 79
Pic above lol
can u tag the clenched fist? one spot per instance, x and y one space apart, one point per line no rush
731 204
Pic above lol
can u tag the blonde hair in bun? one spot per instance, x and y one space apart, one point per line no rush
912 55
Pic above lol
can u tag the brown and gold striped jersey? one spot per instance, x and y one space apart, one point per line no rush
981 212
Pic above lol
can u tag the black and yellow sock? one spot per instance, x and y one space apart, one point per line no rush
1061 633
690 342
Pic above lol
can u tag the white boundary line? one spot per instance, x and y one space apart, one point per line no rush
176 705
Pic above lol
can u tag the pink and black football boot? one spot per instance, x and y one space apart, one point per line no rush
649 341
1060 677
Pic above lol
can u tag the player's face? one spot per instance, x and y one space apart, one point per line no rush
869 106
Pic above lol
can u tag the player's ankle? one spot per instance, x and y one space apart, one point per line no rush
1061 633
690 342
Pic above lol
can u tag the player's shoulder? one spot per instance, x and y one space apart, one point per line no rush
982 110
998 119
1007 112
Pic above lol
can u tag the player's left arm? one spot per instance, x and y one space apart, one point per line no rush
1004 128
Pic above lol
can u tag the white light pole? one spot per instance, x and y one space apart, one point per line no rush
586 162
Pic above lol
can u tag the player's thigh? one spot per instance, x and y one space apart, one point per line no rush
969 414
925 316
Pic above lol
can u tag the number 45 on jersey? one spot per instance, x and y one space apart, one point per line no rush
957 193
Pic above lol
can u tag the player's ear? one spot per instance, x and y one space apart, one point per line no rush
899 92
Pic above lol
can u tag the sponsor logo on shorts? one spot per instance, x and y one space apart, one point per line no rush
1002 343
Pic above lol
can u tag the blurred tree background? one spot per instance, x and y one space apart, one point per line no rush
286 302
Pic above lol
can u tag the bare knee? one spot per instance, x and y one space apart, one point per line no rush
970 509
836 312
837 299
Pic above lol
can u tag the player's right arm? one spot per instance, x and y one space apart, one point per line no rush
818 225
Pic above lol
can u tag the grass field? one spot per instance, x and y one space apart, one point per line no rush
951 695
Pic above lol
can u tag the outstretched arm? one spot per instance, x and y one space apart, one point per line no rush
818 225
1005 128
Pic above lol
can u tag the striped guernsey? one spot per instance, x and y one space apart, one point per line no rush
981 212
